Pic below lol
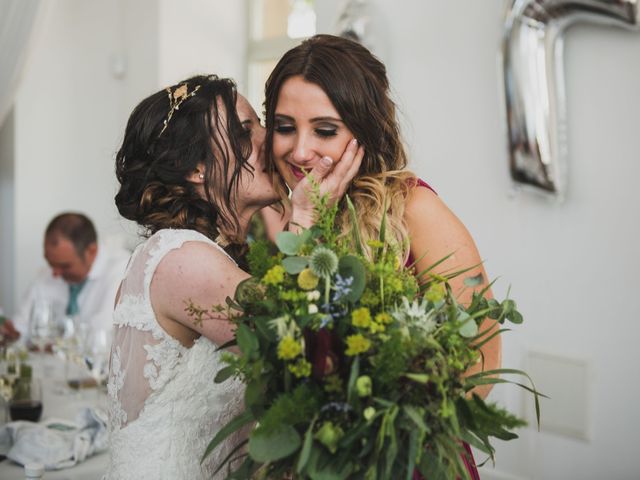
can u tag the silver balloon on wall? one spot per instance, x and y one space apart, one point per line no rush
532 52
353 21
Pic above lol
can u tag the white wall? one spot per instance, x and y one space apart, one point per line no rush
202 36
65 126
91 63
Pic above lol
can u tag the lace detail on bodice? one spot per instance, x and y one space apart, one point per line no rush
164 406
117 416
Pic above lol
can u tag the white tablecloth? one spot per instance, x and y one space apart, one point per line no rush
65 406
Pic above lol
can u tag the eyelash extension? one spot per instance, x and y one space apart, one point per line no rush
324 132
284 129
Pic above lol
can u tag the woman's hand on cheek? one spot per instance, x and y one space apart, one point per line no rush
334 179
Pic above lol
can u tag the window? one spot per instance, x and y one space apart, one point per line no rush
275 26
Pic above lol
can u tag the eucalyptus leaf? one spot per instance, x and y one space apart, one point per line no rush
508 305
474 281
352 266
514 317
468 327
496 311
294 265
289 243
275 444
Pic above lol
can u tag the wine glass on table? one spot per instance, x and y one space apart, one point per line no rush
66 348
42 331
97 354
74 345
26 399
42 326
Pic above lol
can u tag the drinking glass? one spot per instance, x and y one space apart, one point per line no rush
75 347
97 361
26 399
65 347
97 354
42 328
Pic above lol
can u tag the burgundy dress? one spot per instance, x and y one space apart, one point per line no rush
467 457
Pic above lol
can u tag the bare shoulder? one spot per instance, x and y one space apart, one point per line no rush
426 212
199 274
194 259
435 232
196 269
421 200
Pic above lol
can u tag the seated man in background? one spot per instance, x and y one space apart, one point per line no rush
83 277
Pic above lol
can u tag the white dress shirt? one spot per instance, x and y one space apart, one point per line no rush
95 300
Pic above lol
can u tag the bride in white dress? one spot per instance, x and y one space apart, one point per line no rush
191 174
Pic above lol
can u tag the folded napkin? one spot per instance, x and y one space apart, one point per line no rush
55 443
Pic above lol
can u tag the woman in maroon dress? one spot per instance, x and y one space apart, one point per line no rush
330 94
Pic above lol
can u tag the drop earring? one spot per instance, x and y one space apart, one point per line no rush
201 176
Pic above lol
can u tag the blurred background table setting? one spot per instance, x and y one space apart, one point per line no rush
53 397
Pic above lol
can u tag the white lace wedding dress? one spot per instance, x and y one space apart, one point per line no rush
164 406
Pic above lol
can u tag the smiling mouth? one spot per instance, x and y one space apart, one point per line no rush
297 172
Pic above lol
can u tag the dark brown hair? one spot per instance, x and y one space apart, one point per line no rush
153 164
356 83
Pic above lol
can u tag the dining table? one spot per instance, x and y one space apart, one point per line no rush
61 402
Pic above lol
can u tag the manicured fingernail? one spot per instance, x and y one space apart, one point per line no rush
354 142
326 161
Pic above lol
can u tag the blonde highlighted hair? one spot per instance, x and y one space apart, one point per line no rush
370 195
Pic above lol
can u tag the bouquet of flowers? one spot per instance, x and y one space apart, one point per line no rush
353 368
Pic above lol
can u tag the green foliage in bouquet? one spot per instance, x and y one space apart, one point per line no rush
353 368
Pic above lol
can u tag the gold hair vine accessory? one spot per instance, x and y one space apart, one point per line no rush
176 97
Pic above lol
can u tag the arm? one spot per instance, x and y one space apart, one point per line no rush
8 332
434 229
200 273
